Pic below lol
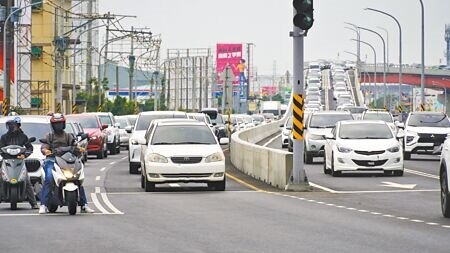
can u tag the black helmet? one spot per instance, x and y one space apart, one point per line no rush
58 122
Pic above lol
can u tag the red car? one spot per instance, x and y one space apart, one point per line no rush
92 126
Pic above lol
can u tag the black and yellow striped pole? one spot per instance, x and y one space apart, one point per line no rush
74 109
99 108
58 108
297 117
400 108
136 108
5 107
422 107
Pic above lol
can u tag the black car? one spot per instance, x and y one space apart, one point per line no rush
218 122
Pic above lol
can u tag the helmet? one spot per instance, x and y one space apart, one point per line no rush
12 122
58 122
13 114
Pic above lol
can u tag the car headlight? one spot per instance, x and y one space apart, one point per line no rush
216 157
343 149
394 149
94 138
157 158
315 137
409 138
286 132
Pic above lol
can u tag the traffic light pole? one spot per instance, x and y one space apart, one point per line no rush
299 180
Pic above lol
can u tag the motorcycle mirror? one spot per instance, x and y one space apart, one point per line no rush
32 139
43 141
84 136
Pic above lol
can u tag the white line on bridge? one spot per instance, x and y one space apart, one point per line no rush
271 140
423 174
103 169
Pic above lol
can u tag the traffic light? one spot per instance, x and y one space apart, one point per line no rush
304 17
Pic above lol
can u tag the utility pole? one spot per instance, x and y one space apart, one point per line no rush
117 81
200 101
105 62
7 63
89 51
132 60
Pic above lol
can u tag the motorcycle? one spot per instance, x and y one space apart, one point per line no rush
13 174
68 176
36 174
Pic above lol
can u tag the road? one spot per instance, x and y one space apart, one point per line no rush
247 217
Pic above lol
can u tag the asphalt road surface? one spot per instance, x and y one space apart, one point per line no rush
360 216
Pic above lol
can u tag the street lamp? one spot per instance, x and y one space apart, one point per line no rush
375 70
422 72
400 73
7 81
358 46
384 59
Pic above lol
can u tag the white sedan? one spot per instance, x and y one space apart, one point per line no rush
363 145
177 150
444 177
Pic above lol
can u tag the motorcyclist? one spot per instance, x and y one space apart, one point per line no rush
15 136
59 138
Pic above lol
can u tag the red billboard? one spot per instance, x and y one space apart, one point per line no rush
228 54
269 90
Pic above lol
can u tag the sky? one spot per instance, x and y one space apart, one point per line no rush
267 23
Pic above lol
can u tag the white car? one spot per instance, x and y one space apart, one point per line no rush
318 125
142 123
287 129
384 116
124 123
181 151
338 91
425 132
313 91
444 178
363 145
112 131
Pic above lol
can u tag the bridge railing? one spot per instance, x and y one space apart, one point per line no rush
406 69
268 165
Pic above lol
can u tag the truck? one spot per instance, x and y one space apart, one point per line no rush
272 107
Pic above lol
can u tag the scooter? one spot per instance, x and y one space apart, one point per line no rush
13 174
68 176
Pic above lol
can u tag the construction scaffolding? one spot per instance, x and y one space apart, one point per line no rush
189 77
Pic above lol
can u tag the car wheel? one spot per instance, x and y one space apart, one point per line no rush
142 181
118 147
307 157
406 155
445 197
112 148
218 186
284 146
333 172
149 186
325 169
290 149
105 150
101 154
134 169
398 173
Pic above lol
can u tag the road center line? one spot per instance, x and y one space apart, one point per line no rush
109 204
97 178
112 163
103 169
97 203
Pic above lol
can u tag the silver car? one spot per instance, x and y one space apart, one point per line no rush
124 122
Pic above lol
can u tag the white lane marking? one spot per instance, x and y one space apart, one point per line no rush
420 173
174 185
433 224
397 185
322 187
418 221
445 226
190 192
271 140
103 169
123 158
47 214
109 204
97 178
374 191
402 218
112 163
97 203
97 189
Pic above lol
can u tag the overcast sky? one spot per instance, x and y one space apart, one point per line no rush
266 23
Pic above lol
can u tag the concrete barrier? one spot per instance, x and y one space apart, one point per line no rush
271 166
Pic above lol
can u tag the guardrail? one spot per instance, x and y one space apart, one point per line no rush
271 166
359 92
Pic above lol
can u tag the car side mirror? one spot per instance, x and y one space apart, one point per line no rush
399 124
400 135
129 129
224 141
329 136
104 126
142 141
117 125
214 124
84 136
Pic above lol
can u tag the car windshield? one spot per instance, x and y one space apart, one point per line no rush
132 120
258 118
87 121
355 109
144 120
70 129
105 120
183 134
248 119
428 120
218 120
123 122
327 120
33 129
365 131
199 117
379 116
